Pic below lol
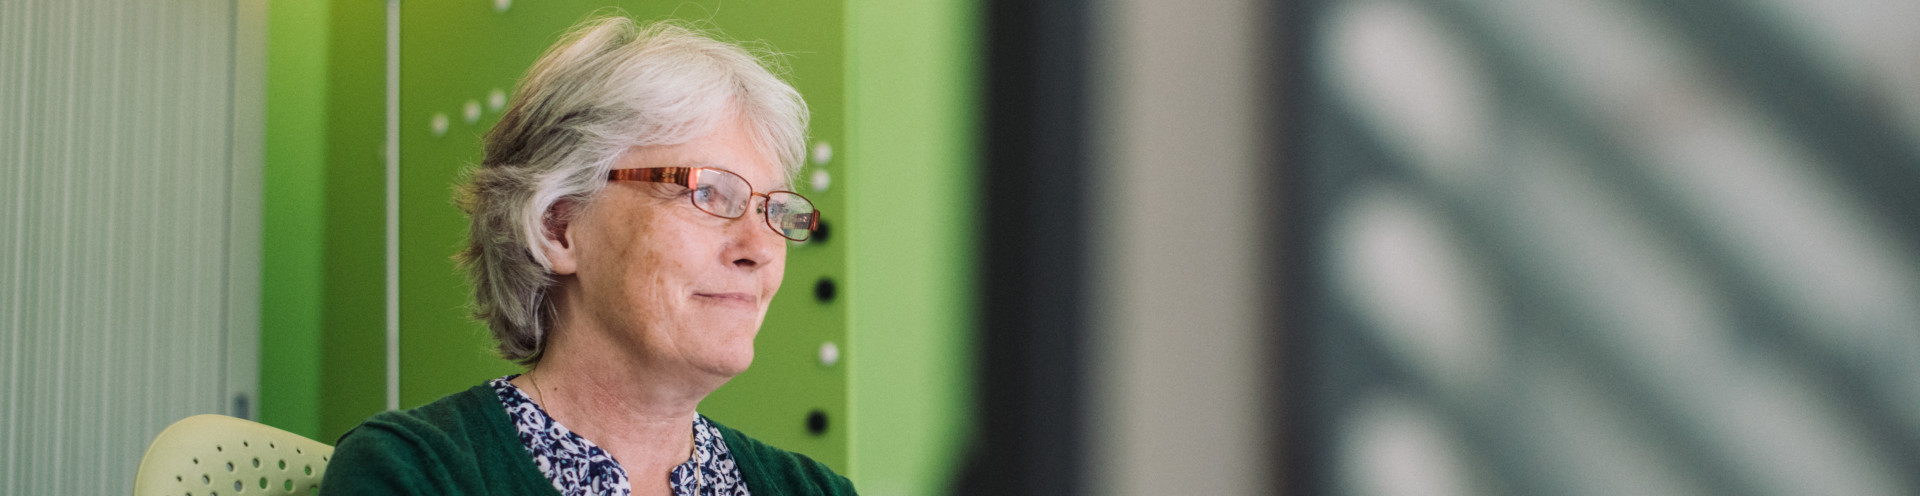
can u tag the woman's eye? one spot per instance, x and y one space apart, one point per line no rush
705 194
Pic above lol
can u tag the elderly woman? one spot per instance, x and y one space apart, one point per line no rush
630 226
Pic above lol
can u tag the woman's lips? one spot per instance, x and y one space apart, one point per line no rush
741 298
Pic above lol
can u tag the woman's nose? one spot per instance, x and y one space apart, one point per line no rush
751 241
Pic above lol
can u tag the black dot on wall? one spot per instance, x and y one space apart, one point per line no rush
817 422
824 290
819 233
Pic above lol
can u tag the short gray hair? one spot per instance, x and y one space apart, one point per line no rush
609 84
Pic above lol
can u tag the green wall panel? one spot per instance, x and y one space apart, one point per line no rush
322 303
910 142
291 237
355 278
453 54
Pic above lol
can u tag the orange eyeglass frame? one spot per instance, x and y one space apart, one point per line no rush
684 176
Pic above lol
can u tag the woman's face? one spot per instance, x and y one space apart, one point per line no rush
682 288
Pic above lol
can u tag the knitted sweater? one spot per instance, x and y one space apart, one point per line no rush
466 444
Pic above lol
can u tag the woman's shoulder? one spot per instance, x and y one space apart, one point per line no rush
771 471
457 443
460 418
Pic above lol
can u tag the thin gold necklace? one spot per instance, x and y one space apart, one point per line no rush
541 396
699 478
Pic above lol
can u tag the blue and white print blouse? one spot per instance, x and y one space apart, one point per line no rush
577 467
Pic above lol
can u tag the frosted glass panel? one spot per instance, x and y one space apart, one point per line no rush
118 180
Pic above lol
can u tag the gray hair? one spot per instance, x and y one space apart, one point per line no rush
607 85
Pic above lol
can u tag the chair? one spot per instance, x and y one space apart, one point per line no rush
215 455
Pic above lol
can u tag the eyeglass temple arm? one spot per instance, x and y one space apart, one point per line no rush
672 175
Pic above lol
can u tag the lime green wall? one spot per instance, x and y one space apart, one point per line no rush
322 265
912 118
291 217
354 365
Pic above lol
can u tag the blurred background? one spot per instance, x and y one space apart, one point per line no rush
1367 247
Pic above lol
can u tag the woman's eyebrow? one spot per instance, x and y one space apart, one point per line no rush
782 185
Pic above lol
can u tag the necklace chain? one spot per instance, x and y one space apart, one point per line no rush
699 476
536 389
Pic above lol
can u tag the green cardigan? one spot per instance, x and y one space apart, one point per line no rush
465 444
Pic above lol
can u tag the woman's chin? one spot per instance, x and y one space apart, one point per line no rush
732 365
727 348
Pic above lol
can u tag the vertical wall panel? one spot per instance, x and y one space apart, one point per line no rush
10 244
1178 350
117 233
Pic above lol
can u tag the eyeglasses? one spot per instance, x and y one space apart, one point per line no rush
727 195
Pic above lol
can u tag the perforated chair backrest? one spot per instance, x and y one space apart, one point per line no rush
217 455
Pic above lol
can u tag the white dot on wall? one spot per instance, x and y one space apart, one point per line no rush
470 112
829 354
496 99
501 5
438 124
820 180
822 152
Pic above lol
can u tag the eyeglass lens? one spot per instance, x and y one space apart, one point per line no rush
728 195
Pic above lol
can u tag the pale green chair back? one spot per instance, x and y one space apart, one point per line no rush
217 455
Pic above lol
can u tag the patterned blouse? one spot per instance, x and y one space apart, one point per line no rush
577 467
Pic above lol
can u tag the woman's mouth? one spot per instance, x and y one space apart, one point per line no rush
719 297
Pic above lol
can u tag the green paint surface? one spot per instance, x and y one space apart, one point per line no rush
322 332
911 137
291 217
355 350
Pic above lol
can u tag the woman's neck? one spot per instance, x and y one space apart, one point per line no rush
642 417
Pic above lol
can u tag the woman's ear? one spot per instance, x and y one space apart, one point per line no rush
558 230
